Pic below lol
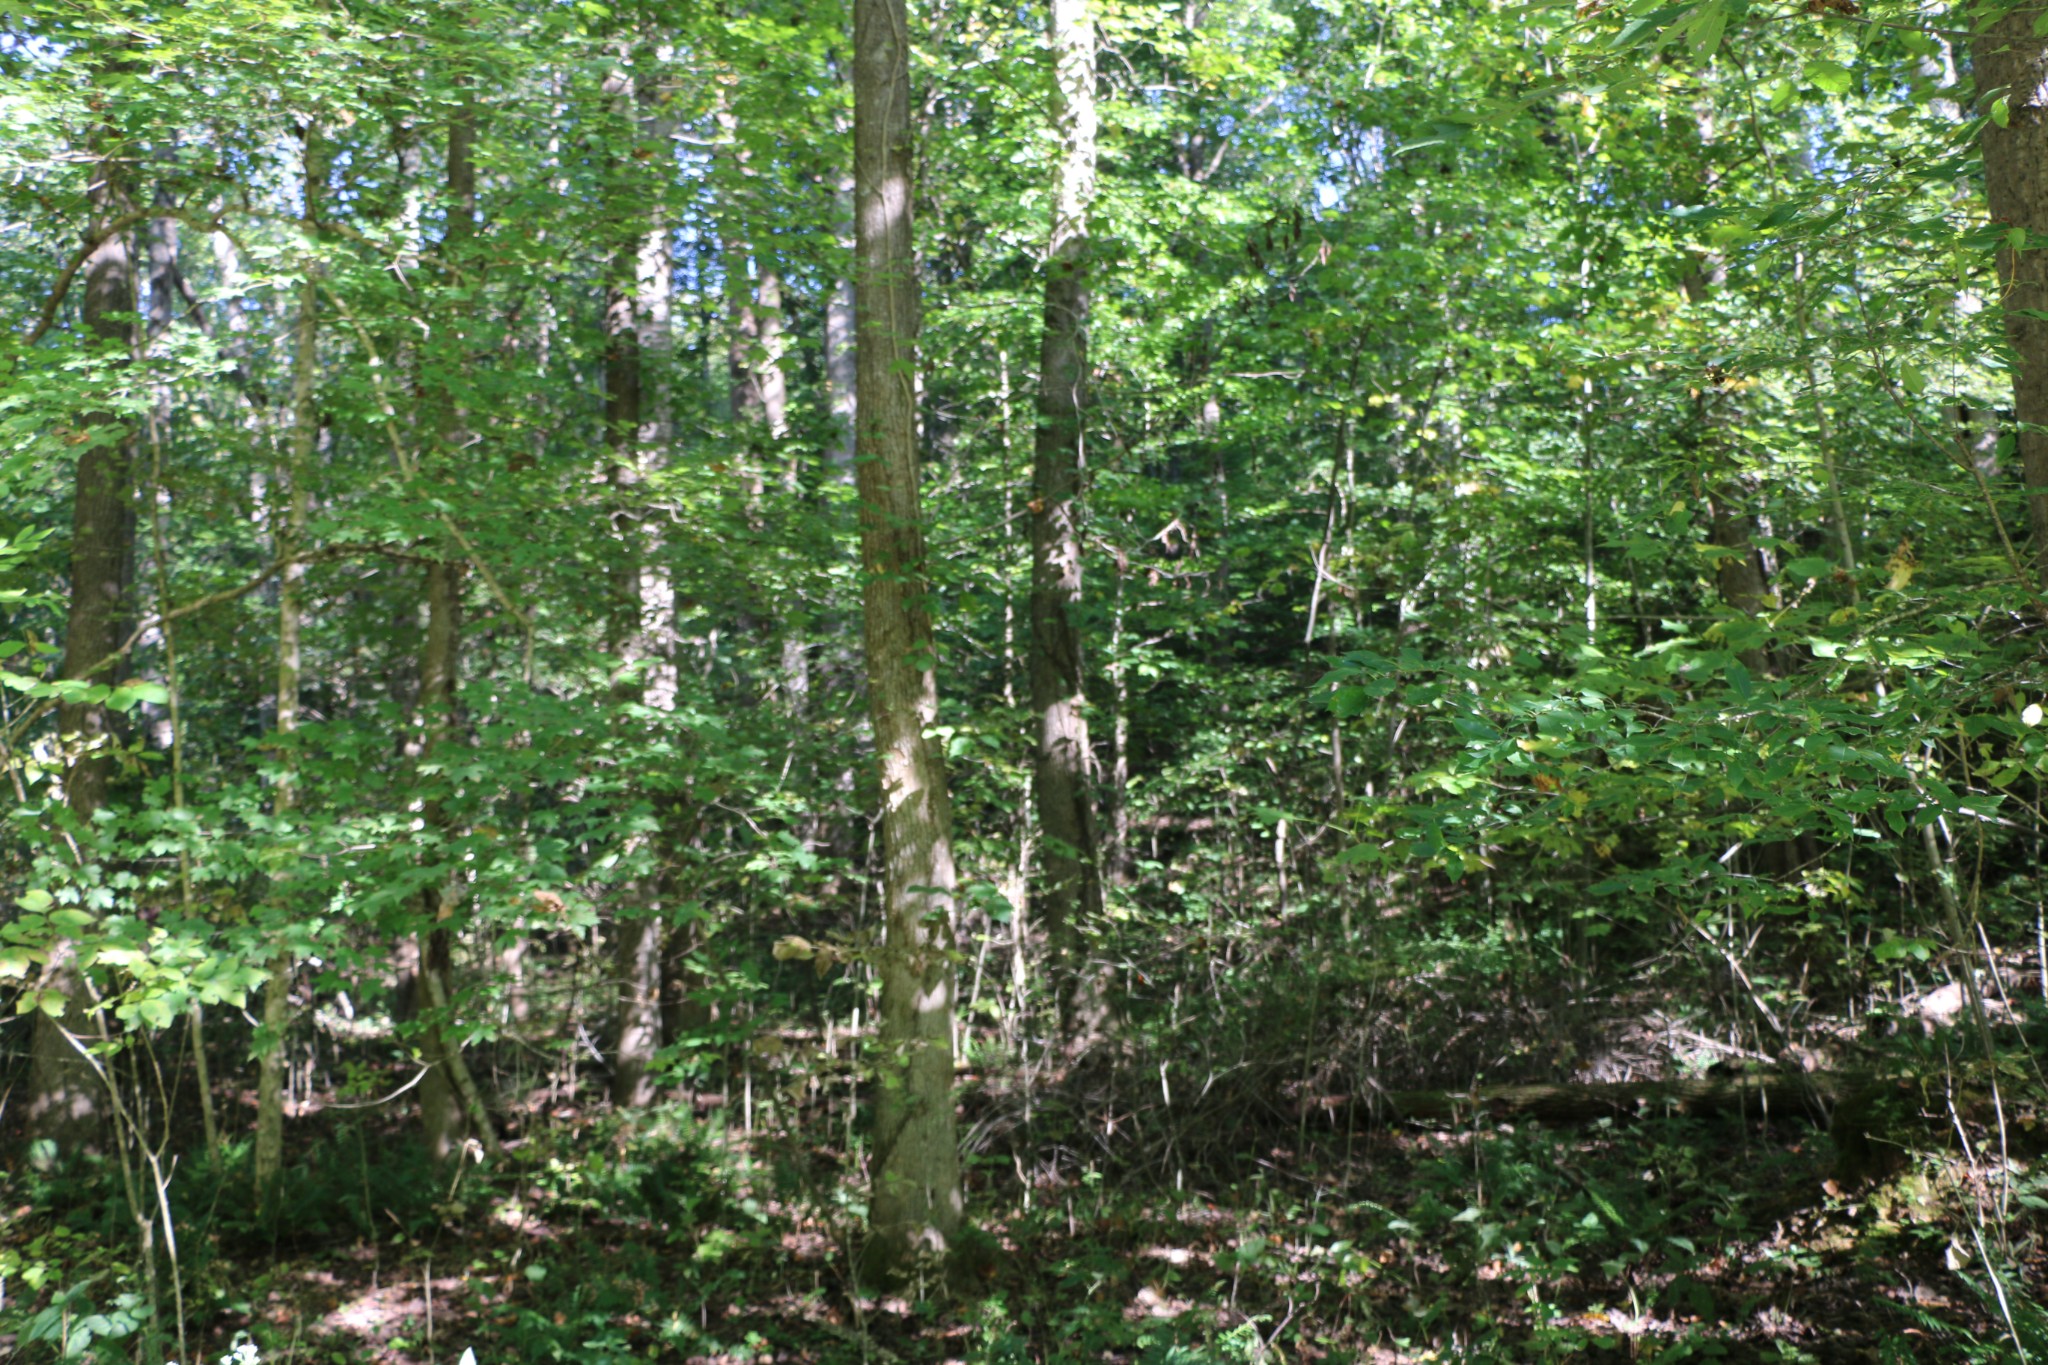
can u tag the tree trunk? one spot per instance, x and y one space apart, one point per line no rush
295 487
636 964
64 1102
917 1207
769 382
839 351
655 315
1069 883
1738 573
440 1107
2012 62
451 1107
771 385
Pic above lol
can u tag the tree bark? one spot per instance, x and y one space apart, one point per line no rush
2012 62
917 1207
64 1102
1069 884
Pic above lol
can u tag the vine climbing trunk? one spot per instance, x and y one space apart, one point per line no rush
64 1103
1068 889
917 1206
2012 66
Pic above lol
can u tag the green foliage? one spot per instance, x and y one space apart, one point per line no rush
1450 365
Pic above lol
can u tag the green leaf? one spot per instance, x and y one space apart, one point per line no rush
127 695
1891 949
71 921
2001 112
1779 215
1706 30
1827 75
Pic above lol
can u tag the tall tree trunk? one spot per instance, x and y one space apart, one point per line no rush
2013 61
294 490
1069 885
637 931
917 1206
65 1100
451 1107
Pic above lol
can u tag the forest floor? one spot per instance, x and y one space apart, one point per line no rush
677 1238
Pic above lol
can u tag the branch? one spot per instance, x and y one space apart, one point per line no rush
212 599
63 285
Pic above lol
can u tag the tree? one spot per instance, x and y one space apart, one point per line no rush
2012 70
917 1206
63 1103
451 1106
634 296
294 488
1069 885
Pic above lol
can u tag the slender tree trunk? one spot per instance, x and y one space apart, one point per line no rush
451 1107
1117 855
1069 885
294 487
636 966
165 282
64 1103
656 319
839 351
771 388
917 1207
770 383
2012 61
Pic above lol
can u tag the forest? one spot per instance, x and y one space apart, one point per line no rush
1159 682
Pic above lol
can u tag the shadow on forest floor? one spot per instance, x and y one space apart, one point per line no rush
1666 1239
